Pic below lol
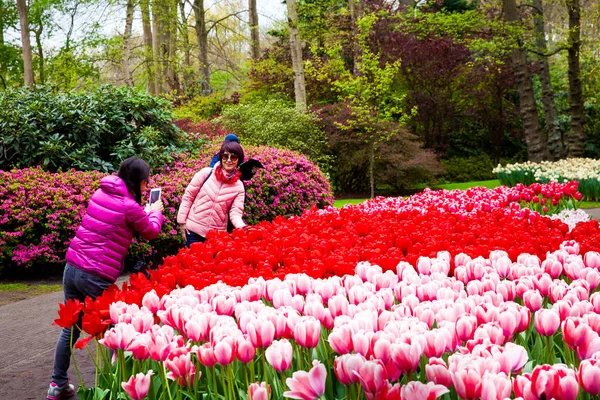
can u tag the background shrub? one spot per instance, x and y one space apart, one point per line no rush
465 169
277 123
40 211
203 108
93 130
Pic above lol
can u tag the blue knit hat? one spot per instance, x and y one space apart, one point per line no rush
232 138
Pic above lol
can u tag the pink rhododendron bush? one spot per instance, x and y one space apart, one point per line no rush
40 211
478 298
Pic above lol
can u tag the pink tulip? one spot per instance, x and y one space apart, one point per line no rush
591 259
119 337
508 322
307 332
139 348
465 327
418 390
588 375
382 349
261 332
142 321
437 372
467 382
554 381
491 331
206 355
373 377
436 342
282 298
495 387
151 301
307 385
137 387
575 331
279 354
258 391
338 305
532 300
340 339
361 343
406 356
546 322
522 387
181 369
225 350
245 351
552 267
512 358
345 367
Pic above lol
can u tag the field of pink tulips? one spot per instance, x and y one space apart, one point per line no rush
446 294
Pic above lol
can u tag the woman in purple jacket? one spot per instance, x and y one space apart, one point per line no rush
95 256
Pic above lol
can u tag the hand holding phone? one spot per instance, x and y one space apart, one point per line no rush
155 195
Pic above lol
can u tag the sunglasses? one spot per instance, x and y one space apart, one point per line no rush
229 157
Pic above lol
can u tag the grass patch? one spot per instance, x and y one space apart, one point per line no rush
589 204
12 292
341 203
467 185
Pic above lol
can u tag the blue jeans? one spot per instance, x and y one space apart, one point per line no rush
77 284
193 238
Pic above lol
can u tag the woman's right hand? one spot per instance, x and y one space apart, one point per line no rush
157 205
184 231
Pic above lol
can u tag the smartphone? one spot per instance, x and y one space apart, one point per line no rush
154 195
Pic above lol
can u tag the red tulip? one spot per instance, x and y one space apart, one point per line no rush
68 313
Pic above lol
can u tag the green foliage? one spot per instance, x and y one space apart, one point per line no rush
465 169
88 131
202 108
277 123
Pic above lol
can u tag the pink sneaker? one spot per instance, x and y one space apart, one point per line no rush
56 392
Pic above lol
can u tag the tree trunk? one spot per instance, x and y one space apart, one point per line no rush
171 23
202 37
297 62
2 27
148 56
576 136
555 139
157 44
372 164
40 51
536 146
127 43
186 44
254 38
27 56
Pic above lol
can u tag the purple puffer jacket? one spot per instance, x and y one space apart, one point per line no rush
106 231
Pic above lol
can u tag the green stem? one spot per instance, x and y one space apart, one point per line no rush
225 391
166 385
550 344
73 357
282 374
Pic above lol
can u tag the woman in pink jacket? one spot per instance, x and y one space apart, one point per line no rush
95 256
212 196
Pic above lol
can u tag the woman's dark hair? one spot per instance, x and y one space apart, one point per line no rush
233 148
134 171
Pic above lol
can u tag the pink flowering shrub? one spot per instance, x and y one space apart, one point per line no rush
40 211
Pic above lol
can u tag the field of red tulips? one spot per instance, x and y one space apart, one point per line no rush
449 294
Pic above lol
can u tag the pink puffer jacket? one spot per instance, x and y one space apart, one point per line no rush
204 208
106 231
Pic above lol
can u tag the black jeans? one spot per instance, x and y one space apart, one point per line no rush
77 284
193 238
